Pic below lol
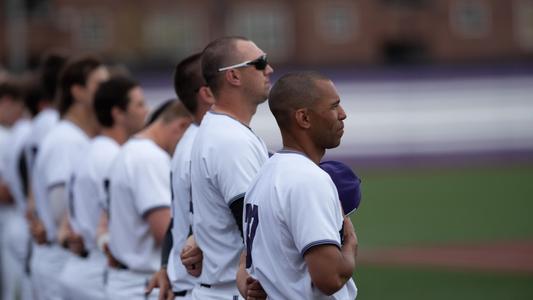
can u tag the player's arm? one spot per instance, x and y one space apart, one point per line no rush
5 194
36 226
192 256
158 220
167 245
160 278
247 285
330 267
236 208
57 195
58 200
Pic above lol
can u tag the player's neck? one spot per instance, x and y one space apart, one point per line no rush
305 146
82 118
200 113
155 132
235 106
116 133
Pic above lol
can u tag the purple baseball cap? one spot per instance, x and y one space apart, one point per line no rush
347 183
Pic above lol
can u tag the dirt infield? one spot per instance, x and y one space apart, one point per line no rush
516 256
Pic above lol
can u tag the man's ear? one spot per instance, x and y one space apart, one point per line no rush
206 95
233 76
77 91
118 115
302 118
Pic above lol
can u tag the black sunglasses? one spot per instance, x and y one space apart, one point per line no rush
259 63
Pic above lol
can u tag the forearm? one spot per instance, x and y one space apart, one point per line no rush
158 221
167 245
242 274
330 267
5 195
102 229
347 261
57 197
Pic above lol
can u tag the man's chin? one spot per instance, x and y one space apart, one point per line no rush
334 145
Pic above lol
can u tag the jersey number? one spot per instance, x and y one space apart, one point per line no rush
251 219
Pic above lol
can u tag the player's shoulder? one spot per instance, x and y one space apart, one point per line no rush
299 170
20 129
139 150
104 143
47 116
220 126
102 149
66 133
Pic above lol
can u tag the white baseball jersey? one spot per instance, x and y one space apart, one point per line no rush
226 155
42 124
139 183
181 209
89 194
292 206
15 236
4 134
12 176
60 153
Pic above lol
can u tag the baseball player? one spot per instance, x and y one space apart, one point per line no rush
11 130
47 116
11 109
299 244
226 155
173 277
42 123
16 233
139 203
120 109
59 154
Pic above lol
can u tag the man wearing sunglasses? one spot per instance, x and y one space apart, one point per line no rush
225 157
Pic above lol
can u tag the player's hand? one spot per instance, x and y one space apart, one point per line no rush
160 280
75 244
111 260
37 230
192 257
349 236
254 289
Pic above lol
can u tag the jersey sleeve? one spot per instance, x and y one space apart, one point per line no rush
152 184
59 165
313 213
238 167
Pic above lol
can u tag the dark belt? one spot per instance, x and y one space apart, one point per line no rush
180 293
64 245
122 266
114 263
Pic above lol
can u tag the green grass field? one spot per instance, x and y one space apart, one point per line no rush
428 206
429 284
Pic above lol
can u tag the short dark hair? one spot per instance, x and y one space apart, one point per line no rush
10 88
75 72
291 92
33 95
50 66
168 111
217 54
112 93
188 80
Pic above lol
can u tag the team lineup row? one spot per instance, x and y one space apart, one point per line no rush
189 204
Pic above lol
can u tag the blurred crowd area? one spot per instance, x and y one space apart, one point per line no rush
149 34
417 77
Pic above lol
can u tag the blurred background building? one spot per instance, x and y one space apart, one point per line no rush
439 98
151 33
